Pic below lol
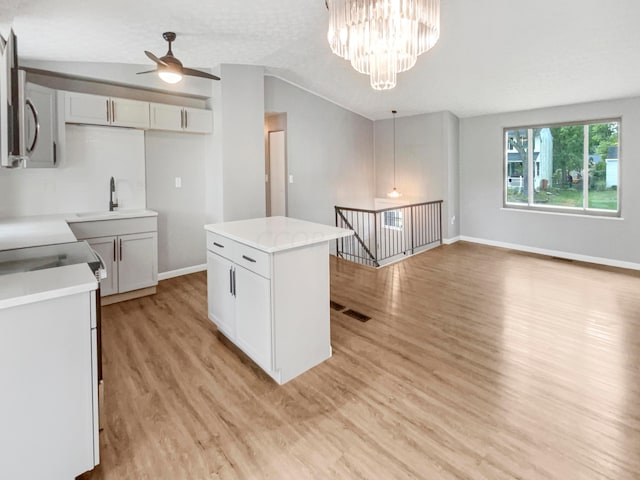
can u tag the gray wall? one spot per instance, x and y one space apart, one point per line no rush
426 161
181 211
241 124
481 182
329 153
451 209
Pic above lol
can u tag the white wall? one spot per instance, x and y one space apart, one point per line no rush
181 211
426 161
241 133
481 184
81 181
329 153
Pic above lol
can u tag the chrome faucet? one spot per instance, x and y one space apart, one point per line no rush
112 190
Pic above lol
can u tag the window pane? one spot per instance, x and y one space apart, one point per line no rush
517 145
559 160
603 166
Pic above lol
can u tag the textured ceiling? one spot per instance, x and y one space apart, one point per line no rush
493 55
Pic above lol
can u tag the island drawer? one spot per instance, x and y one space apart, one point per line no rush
252 259
223 246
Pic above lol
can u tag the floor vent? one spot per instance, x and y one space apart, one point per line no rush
562 259
357 315
337 306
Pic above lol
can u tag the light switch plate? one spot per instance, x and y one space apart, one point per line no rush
178 182
290 178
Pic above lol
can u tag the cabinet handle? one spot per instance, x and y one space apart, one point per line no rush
114 250
186 119
120 249
231 281
34 112
234 282
181 118
218 245
108 112
248 259
113 111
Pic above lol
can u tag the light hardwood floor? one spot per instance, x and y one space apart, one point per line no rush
478 363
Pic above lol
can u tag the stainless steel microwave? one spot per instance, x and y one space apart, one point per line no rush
27 115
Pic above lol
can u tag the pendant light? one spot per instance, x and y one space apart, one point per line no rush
394 193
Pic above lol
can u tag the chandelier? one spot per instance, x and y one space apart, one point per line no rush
383 37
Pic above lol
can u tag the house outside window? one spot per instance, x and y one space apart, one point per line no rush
573 168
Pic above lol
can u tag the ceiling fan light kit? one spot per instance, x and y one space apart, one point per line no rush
382 38
169 68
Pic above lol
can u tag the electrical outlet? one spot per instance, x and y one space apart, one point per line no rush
453 220
178 182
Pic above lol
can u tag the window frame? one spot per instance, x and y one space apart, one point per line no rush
585 211
398 218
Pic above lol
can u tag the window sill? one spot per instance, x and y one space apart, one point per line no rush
562 213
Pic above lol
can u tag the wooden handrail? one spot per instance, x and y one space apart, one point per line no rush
397 207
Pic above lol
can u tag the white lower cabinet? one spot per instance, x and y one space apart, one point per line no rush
49 400
253 315
273 306
131 259
240 305
222 303
137 262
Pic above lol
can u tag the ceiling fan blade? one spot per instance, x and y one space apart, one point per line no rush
148 71
154 58
198 73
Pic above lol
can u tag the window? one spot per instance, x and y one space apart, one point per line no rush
393 219
569 168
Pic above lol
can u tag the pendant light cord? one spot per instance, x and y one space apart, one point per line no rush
394 148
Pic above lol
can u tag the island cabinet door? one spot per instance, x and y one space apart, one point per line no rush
253 316
221 301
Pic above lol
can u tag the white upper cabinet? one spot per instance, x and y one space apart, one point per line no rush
98 110
165 117
129 113
180 119
197 120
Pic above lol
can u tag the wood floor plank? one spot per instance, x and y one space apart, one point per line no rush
477 363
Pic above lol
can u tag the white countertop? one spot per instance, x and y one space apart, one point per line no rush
28 287
19 232
274 234
34 231
115 215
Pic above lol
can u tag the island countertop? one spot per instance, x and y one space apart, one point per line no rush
274 234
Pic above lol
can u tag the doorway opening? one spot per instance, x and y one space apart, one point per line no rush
276 164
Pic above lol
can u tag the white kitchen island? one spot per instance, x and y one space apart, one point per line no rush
268 290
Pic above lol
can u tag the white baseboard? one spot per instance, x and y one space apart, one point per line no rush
449 241
182 271
554 253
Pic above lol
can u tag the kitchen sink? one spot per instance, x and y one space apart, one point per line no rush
115 214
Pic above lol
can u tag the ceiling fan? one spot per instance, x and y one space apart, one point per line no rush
169 68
